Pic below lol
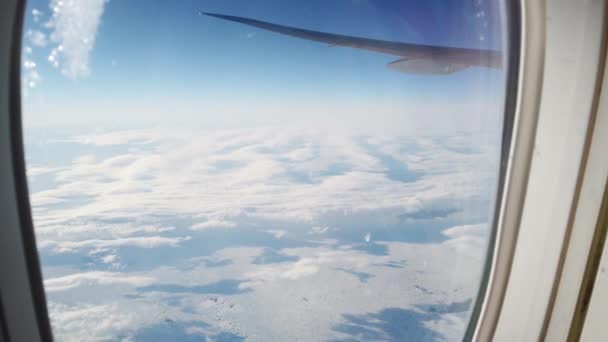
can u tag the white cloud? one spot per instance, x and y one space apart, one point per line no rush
141 242
468 239
112 260
134 137
93 278
211 224
224 178
318 230
308 265
80 230
480 229
89 322
40 170
74 25
301 268
277 233
450 325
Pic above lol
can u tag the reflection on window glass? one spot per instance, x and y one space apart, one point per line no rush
262 170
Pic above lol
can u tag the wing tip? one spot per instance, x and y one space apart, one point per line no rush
209 14
217 15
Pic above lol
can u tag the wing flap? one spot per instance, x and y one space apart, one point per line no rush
425 66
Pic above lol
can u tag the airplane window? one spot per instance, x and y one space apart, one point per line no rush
263 170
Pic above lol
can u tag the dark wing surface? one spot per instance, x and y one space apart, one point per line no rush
415 58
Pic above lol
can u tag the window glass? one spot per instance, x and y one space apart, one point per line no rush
262 170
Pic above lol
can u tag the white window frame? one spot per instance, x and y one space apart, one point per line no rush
546 222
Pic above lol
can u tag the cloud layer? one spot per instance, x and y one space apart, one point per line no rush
261 234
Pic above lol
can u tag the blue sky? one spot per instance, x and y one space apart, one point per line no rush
165 55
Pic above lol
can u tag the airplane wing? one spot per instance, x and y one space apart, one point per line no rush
415 58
